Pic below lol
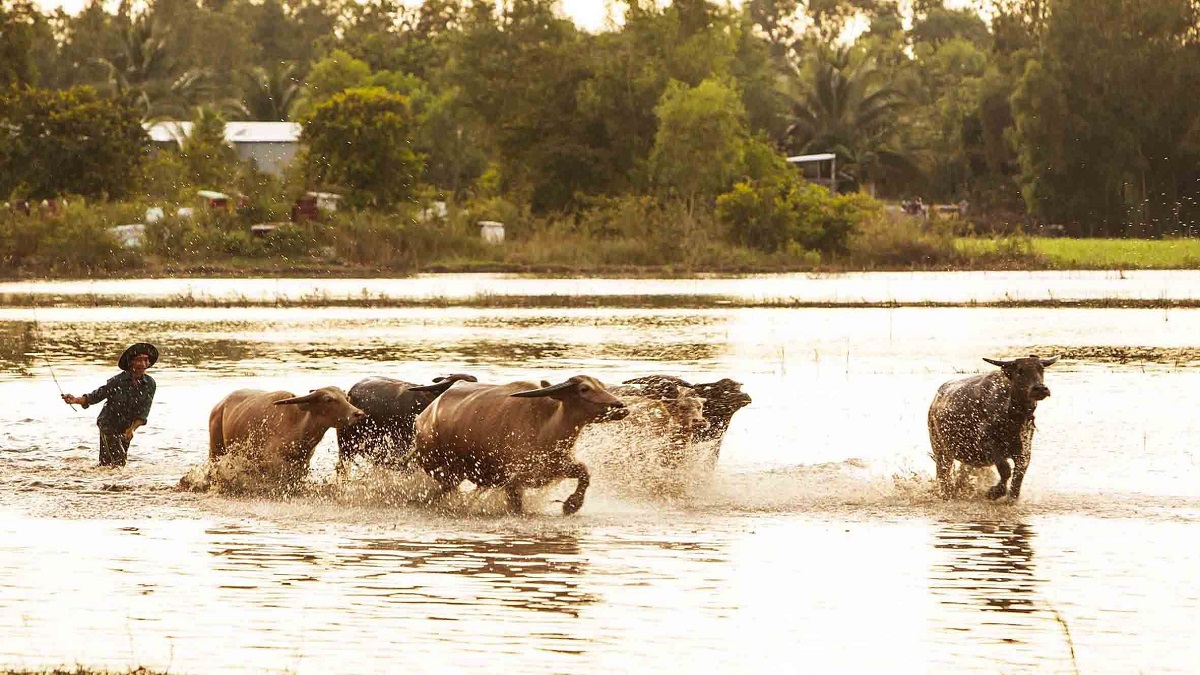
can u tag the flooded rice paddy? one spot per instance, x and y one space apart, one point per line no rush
818 544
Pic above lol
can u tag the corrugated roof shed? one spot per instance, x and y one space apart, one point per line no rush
235 132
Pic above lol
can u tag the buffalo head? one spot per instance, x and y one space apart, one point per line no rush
328 404
585 393
1025 377
687 408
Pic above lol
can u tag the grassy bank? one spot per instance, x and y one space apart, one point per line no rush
631 238
1089 254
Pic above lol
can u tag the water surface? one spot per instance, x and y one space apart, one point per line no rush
818 545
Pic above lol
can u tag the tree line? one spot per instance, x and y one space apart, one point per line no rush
1075 113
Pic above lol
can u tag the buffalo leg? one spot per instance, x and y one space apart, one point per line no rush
1000 489
1020 464
579 472
512 492
945 469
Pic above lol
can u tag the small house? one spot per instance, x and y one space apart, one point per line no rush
271 146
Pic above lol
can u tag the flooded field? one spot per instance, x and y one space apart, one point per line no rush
818 544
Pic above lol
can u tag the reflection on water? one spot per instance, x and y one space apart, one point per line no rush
540 574
987 565
984 576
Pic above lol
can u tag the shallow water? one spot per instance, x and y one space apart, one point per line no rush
818 545
872 287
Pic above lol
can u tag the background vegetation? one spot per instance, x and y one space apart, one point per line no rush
657 142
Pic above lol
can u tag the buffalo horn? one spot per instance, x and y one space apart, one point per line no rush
1046 363
547 391
996 362
297 400
442 384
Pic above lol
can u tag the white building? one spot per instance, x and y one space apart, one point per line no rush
270 145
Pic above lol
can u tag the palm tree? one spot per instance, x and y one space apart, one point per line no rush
269 93
842 105
146 71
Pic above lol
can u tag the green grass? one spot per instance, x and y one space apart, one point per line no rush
1093 254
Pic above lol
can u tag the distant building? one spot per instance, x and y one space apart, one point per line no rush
270 145
814 168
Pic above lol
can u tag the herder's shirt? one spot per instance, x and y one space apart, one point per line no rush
127 401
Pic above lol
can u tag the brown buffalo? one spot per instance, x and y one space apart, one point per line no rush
513 435
278 428
986 420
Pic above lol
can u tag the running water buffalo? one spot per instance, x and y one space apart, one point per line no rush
514 435
988 419
278 428
391 407
722 399
675 414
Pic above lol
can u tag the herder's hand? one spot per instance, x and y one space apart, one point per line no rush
67 398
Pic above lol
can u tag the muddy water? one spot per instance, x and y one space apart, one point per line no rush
818 545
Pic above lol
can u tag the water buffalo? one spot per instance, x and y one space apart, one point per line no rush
674 414
278 428
988 419
513 435
722 399
391 407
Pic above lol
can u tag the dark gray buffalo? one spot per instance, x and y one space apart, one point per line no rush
722 399
385 435
516 435
988 419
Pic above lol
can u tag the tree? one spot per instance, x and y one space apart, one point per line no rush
54 142
1106 143
699 149
843 105
271 92
520 71
209 160
362 139
16 43
333 74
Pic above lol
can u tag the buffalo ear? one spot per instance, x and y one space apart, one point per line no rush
1046 363
546 383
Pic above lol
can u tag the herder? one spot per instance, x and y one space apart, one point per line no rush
129 395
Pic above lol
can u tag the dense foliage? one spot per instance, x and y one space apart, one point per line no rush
1073 113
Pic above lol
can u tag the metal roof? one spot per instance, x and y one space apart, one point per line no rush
235 132
804 159
262 132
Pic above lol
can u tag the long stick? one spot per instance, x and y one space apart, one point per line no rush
37 328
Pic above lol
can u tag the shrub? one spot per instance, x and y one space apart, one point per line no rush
398 242
74 242
891 240
770 215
